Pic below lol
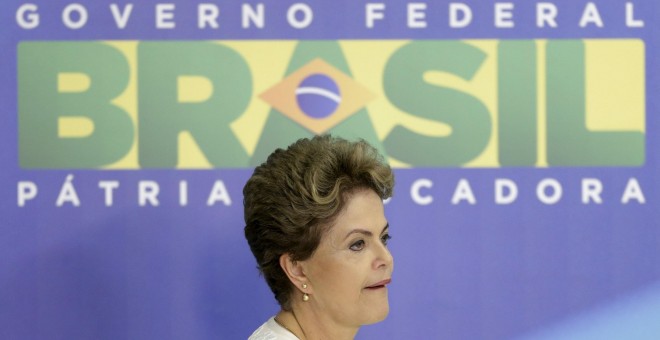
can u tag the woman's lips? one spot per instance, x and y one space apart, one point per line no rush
379 285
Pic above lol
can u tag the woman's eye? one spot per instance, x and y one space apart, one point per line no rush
385 238
357 246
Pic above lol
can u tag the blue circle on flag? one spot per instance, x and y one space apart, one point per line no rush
318 96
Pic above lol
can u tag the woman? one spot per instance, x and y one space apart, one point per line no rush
316 226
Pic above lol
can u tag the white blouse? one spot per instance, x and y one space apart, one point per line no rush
271 330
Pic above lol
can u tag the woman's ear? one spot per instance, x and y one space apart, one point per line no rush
294 270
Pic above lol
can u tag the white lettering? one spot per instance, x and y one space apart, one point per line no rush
207 14
26 191
591 15
591 189
633 191
183 193
463 192
219 193
556 191
416 196
504 15
69 22
108 186
250 15
148 193
27 16
121 19
500 185
374 11
630 16
456 8
546 12
165 16
308 16
68 193
416 15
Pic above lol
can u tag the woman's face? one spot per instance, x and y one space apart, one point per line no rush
349 271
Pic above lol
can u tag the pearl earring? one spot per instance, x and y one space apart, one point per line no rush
305 295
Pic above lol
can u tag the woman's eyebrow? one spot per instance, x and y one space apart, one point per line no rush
365 232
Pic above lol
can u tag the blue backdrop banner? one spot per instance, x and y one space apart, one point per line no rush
523 134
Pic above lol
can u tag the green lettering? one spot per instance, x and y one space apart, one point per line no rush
570 143
40 105
162 117
467 116
517 137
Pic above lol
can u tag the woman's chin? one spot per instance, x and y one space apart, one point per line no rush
378 314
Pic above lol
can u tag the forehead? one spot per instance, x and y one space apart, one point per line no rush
364 210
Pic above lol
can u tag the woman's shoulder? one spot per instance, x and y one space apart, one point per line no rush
270 330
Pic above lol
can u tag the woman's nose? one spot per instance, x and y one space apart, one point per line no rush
384 257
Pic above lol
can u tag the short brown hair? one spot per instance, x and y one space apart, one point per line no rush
294 197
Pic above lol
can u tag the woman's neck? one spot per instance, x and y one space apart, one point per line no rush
308 323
